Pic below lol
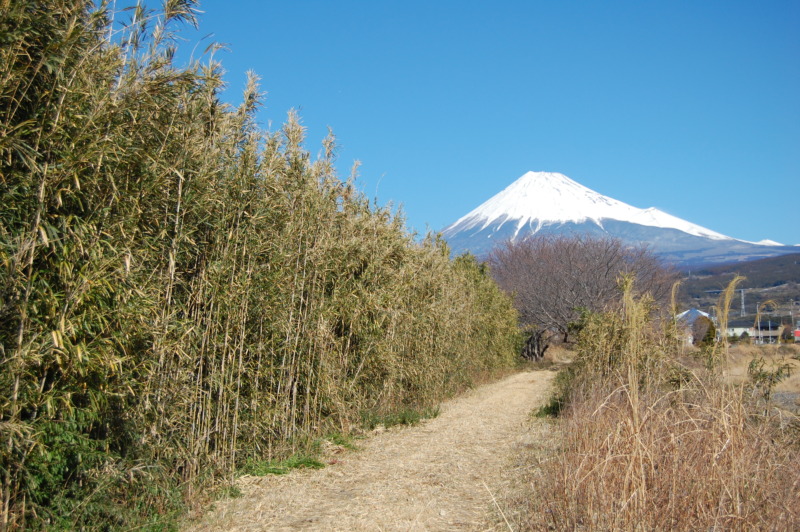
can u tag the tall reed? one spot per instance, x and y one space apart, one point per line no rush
643 450
183 292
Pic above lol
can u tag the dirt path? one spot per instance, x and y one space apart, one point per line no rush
439 475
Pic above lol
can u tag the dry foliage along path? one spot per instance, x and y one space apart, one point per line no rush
439 475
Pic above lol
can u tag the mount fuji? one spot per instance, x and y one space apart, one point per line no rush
547 203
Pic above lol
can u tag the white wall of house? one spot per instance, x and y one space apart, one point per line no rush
737 331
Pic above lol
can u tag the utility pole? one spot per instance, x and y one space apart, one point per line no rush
760 334
769 331
742 290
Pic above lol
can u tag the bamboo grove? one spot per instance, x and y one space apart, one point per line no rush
183 292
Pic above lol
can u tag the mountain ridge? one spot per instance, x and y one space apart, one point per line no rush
552 203
554 197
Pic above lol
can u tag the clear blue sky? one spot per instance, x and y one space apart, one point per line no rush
689 106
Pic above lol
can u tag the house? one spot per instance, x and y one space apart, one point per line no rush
766 332
740 327
738 331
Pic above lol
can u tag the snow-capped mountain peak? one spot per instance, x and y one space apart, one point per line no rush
550 203
539 199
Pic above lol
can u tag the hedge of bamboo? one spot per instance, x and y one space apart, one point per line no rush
184 292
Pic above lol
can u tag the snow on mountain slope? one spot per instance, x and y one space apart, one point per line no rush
543 198
552 204
768 243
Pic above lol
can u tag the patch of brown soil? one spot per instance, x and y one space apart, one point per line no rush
439 475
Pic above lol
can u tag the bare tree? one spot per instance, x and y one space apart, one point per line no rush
555 278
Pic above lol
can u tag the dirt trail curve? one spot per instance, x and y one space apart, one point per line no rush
439 475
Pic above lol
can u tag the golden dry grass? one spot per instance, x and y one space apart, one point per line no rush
741 355
644 445
695 464
559 354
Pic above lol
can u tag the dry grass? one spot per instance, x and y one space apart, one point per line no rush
696 462
643 449
742 355
773 358
559 354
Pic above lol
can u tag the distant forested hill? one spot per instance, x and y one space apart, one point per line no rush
762 273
